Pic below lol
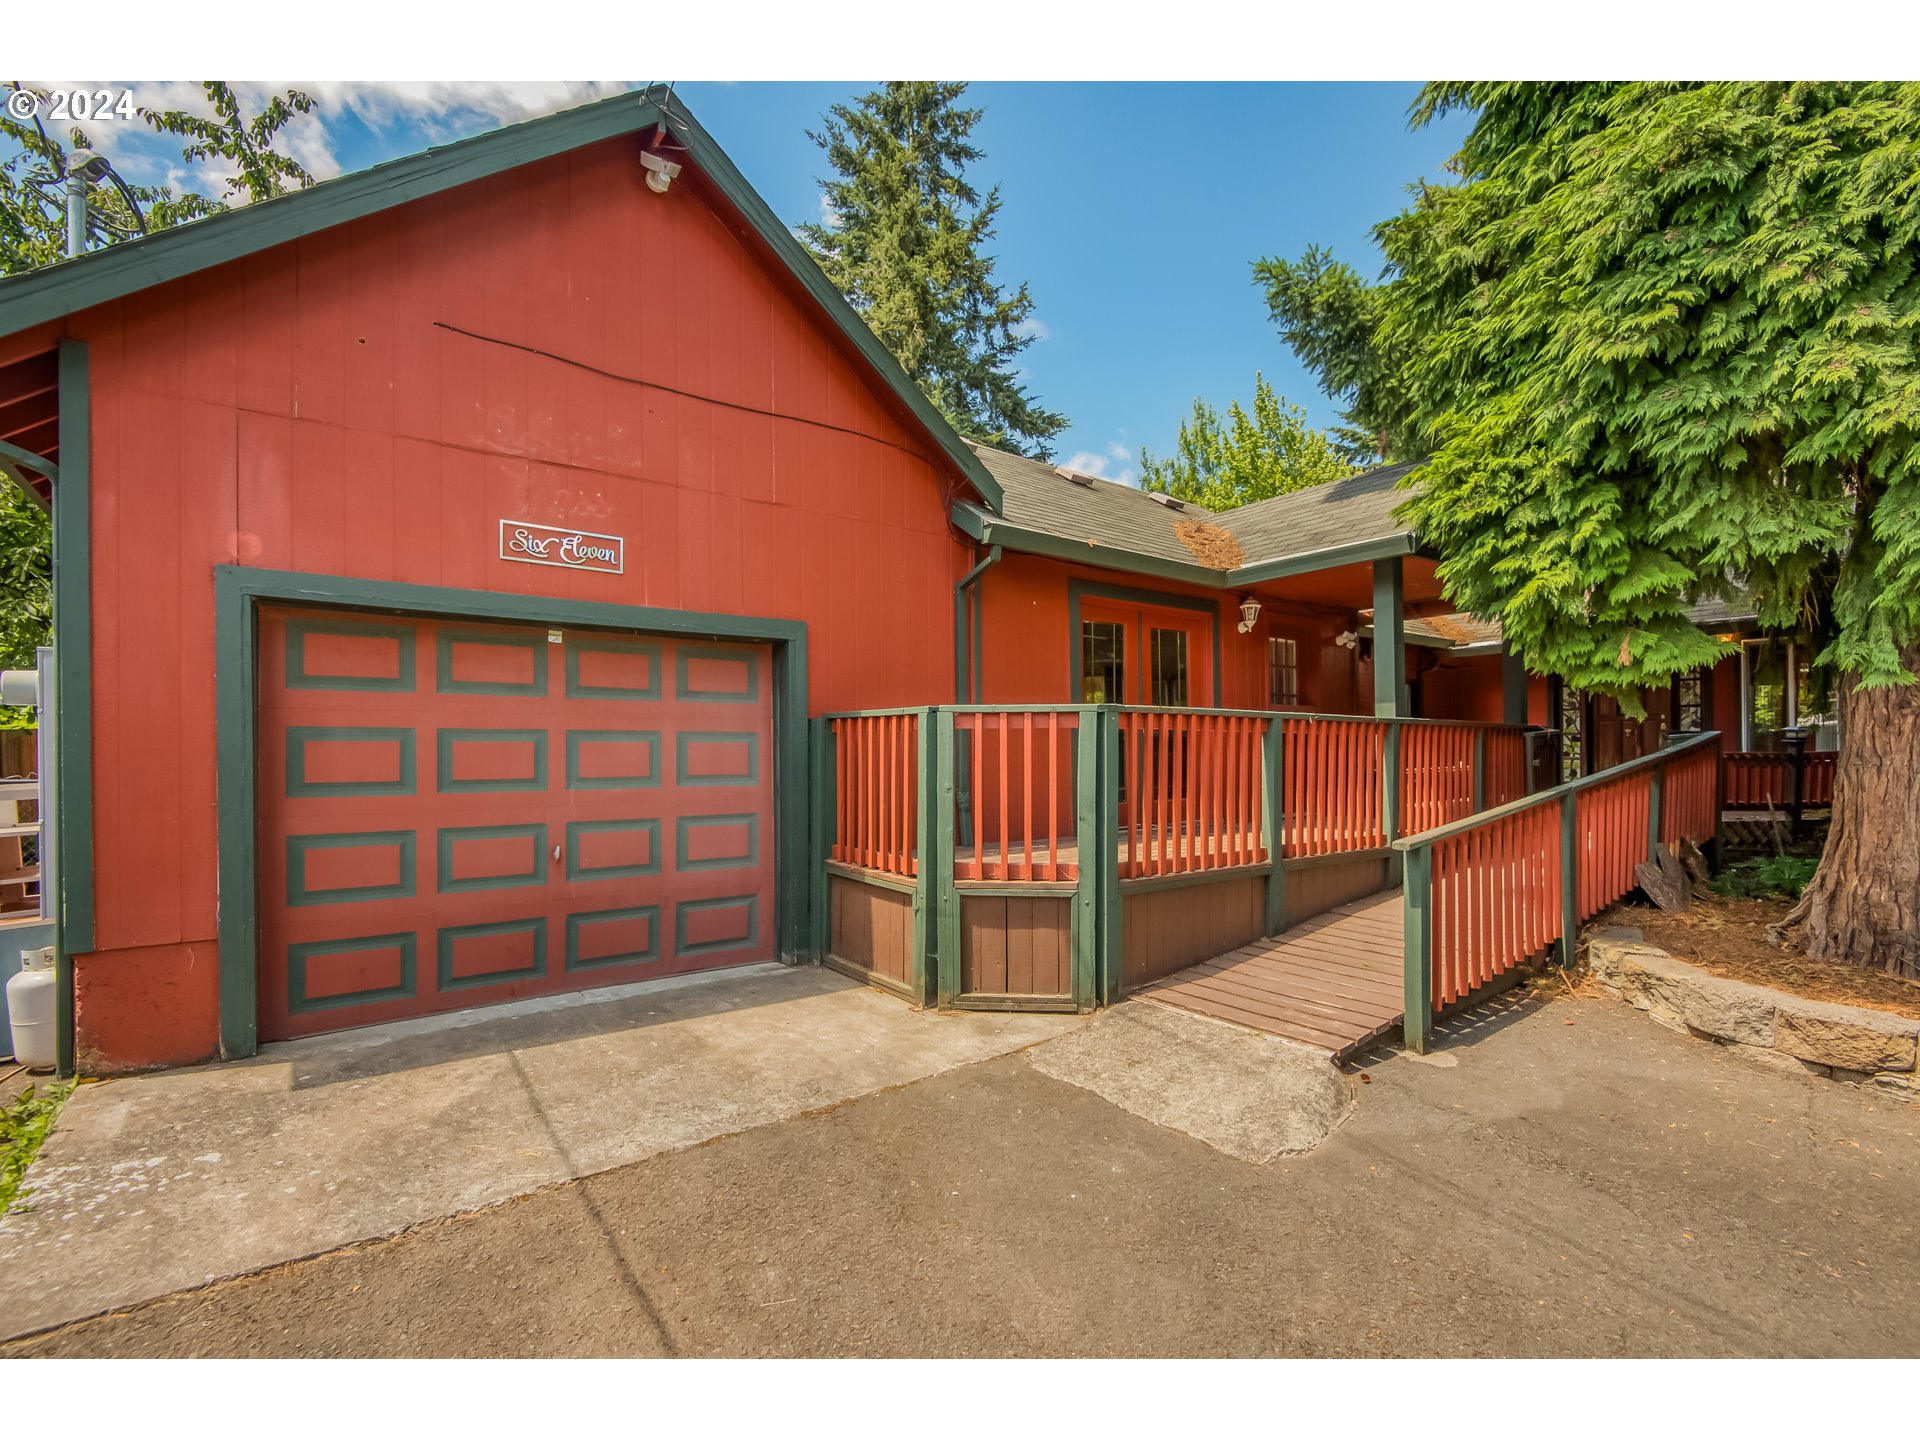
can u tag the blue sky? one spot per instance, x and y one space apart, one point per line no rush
1132 210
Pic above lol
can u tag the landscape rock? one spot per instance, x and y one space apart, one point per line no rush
1845 1036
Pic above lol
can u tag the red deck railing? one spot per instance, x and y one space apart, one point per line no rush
1191 791
1332 774
1013 788
1485 894
1436 775
876 761
1763 779
1506 761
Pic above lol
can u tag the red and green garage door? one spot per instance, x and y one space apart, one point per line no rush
455 814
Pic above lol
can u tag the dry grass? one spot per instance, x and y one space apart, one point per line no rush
1729 937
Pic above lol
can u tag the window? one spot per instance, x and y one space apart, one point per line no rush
1283 671
1690 701
1168 666
1103 663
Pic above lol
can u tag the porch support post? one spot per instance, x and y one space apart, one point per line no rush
1088 933
1106 856
1513 688
1389 640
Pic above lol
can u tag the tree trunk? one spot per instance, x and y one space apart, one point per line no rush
1863 904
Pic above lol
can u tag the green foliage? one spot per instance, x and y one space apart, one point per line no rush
905 243
1222 462
1330 318
1658 337
23 1126
26 590
33 207
1766 876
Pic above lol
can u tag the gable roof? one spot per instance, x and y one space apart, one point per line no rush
62 289
1100 522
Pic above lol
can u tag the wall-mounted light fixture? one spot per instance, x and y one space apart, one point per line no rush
1249 612
660 171
1349 639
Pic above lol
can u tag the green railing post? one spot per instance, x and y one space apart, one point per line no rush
1106 841
1417 989
1569 876
1274 822
1087 928
1656 799
947 897
1480 770
926 901
1390 799
822 824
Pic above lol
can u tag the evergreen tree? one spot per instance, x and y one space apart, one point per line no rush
1661 335
1221 462
1330 319
905 242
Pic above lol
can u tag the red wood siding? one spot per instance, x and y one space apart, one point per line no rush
308 409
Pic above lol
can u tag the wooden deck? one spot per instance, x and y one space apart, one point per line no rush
1333 982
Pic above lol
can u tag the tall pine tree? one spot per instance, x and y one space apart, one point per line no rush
905 240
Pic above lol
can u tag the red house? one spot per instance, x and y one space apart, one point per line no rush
449 558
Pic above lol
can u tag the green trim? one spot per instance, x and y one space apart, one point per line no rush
684 691
1187 878
447 638
571 959
1094 590
687 823
1479 771
711 737
879 879
963 602
297 677
1390 697
298 1002
1416 989
577 781
40 466
298 737
609 645
707 947
444 841
447 980
1084 929
239 590
1375 853
445 740
1386 547
298 845
577 828
73 667
1106 841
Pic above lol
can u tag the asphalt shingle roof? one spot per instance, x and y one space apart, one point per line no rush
1103 514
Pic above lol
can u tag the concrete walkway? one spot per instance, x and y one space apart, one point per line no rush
155 1184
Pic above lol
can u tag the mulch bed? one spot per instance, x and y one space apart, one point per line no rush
1729 937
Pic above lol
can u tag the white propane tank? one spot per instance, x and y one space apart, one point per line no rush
30 1009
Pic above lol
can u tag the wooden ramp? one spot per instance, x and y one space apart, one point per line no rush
1333 982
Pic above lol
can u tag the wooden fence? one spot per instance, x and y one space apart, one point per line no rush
1487 893
1787 780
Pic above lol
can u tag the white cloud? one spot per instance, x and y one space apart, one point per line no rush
1114 463
1034 328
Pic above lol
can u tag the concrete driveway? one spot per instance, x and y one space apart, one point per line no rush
154 1184
1563 1178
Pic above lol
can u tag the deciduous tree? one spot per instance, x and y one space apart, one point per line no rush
1224 461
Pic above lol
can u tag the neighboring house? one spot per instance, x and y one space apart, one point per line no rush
449 558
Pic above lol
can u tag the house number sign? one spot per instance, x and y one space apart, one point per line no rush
569 549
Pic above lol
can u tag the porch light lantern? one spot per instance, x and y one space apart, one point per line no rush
1249 612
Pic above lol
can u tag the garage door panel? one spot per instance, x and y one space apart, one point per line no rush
457 814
